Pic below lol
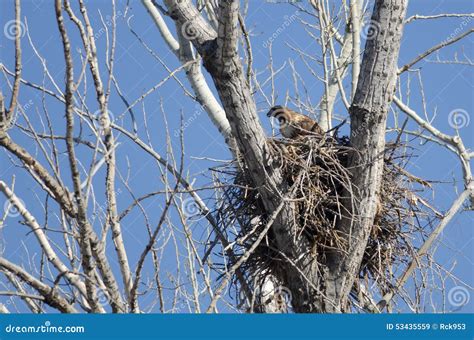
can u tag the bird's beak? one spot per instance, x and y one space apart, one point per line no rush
269 113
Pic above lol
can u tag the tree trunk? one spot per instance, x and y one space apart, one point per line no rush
368 112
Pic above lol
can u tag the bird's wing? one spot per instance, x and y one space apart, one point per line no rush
306 123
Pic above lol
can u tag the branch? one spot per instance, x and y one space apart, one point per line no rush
84 227
42 238
204 210
16 83
87 36
22 295
434 49
51 297
57 190
245 256
355 25
146 251
332 85
437 16
455 141
457 204
183 51
32 305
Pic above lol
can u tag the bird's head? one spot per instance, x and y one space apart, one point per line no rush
274 111
281 115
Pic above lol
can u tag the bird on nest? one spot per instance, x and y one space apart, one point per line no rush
293 124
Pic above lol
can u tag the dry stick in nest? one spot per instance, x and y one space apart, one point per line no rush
249 252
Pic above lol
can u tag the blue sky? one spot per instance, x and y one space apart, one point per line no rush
447 87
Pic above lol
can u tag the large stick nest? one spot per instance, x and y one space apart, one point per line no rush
320 167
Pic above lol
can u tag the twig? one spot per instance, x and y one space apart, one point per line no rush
457 204
434 49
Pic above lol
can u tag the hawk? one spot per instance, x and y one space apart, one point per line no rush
293 124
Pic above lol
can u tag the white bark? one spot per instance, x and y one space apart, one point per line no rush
355 25
182 50
42 239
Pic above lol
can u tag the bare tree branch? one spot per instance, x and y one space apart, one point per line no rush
457 204
434 49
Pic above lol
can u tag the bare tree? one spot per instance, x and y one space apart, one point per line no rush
293 223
